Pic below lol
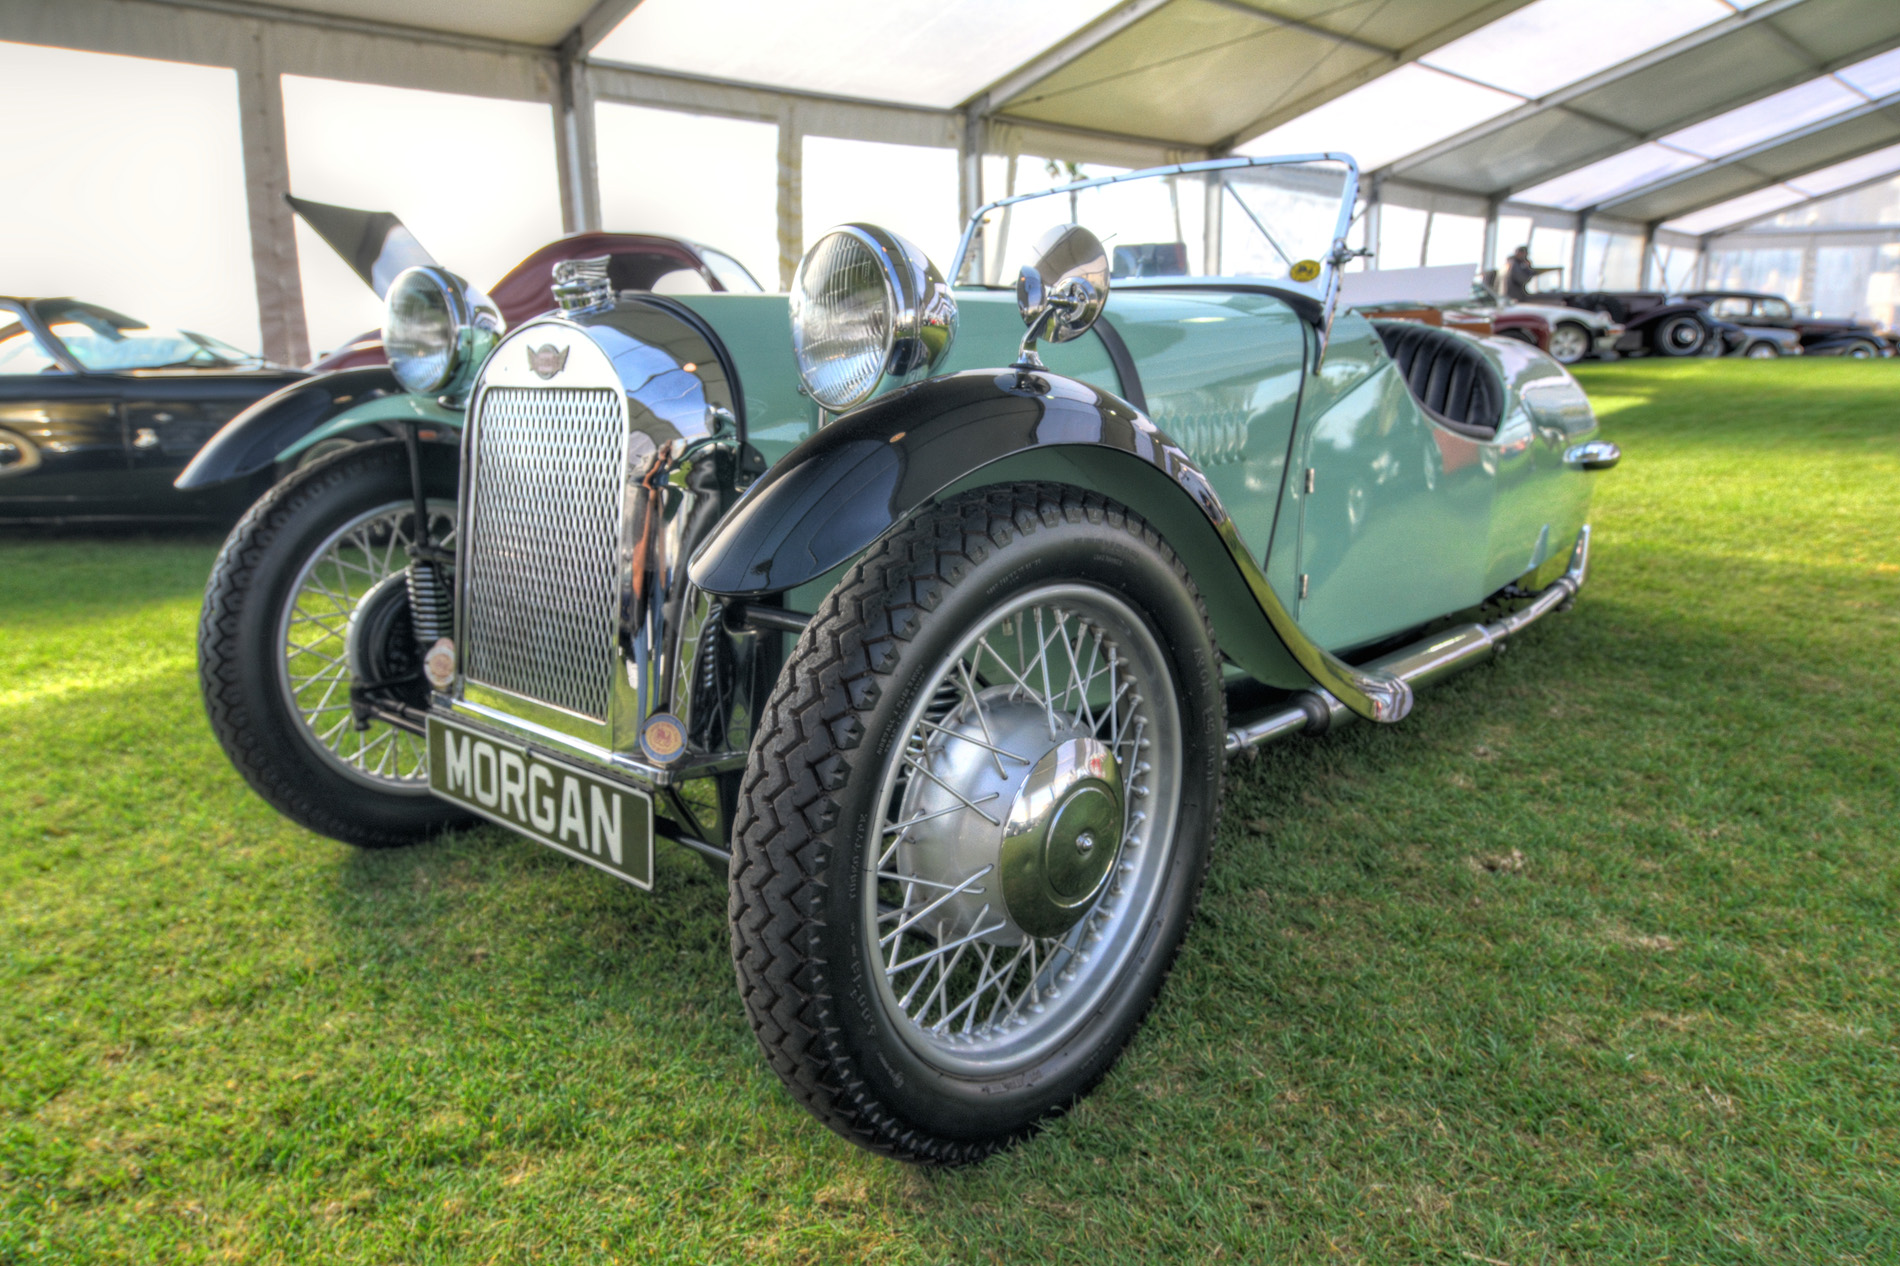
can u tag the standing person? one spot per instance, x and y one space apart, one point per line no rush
1517 277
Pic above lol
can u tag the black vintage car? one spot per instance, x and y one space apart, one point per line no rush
1653 323
100 411
1820 336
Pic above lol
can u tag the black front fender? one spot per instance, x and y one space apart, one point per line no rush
251 441
844 488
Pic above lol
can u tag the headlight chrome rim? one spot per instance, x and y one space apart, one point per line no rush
466 329
919 315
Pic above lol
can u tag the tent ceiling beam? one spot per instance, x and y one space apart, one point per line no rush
594 25
357 26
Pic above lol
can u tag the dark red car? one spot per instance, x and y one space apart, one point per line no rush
377 246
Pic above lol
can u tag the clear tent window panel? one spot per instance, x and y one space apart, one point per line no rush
1769 271
1552 248
1401 237
1513 231
1454 239
721 187
909 189
89 128
355 145
1849 281
1611 261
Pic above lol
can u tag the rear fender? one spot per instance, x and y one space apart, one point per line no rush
846 487
287 422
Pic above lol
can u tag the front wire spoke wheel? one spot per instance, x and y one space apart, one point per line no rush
308 601
1024 826
344 625
975 818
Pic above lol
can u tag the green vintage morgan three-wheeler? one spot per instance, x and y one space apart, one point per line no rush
933 636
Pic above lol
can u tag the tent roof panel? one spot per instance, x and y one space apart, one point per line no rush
1553 43
1151 79
544 22
1750 56
917 52
1519 153
1394 114
1805 152
1601 181
1201 72
1855 171
1736 210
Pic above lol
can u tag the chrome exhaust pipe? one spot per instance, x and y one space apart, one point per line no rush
1422 663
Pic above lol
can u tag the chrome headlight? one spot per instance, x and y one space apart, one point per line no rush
436 329
867 305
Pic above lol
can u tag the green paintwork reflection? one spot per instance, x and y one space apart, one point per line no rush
1407 520
400 407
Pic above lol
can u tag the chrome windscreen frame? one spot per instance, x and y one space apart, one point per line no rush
1322 293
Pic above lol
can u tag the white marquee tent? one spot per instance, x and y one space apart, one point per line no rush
1631 141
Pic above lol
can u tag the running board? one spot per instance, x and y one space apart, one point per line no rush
1433 659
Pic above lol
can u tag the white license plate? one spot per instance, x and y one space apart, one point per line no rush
590 818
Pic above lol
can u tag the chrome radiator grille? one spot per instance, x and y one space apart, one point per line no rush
541 584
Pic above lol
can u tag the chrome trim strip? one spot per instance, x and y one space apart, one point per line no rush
621 765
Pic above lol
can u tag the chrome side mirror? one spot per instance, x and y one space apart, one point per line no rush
1063 292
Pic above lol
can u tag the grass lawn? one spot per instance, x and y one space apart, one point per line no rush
1592 960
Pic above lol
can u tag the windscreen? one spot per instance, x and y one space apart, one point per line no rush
1273 222
104 341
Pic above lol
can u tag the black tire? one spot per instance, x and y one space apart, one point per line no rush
1861 349
816 776
241 652
1681 336
1762 351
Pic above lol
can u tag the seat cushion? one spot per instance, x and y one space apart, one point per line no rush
1448 376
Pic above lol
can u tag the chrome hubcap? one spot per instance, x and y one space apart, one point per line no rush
1050 868
1026 829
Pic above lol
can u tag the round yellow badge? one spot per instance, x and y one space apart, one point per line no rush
1305 270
